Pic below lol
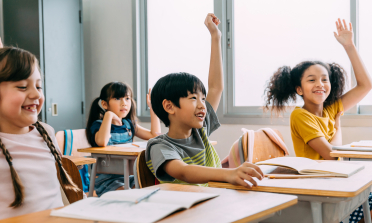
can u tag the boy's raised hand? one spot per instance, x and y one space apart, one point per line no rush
344 34
148 98
1 43
246 171
212 22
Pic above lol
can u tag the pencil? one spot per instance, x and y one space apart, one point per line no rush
147 195
284 176
135 145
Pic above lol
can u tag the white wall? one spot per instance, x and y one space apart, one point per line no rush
108 57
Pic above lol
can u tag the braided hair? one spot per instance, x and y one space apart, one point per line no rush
19 66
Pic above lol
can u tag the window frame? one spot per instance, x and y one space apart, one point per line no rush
227 112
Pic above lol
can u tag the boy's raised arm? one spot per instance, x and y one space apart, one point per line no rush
215 78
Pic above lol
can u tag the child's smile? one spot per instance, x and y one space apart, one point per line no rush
315 85
20 103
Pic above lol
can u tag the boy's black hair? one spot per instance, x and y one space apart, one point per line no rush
173 87
110 90
281 89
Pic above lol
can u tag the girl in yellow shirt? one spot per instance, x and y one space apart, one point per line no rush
315 127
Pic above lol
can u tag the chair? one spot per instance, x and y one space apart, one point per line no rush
79 141
74 173
71 140
143 176
255 146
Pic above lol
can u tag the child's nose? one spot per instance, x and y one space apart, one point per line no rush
35 93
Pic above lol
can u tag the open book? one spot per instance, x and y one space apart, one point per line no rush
307 166
119 206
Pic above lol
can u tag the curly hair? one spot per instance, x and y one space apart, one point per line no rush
281 89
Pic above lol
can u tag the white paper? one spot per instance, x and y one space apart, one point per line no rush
98 209
183 199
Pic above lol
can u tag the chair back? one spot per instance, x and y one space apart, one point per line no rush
255 146
144 175
74 173
79 141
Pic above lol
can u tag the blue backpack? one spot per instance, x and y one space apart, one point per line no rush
69 139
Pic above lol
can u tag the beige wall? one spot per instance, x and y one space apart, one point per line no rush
107 45
108 57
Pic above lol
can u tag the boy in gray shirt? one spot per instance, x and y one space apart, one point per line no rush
184 155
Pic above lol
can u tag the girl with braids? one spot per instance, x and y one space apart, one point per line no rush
112 120
28 148
316 127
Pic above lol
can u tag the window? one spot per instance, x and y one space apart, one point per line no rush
258 38
365 41
269 34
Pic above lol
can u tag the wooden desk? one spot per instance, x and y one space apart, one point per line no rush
114 160
352 155
230 206
80 160
331 199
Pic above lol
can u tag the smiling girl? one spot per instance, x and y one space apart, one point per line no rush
28 148
315 127
112 120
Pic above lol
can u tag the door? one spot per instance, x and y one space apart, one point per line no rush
63 61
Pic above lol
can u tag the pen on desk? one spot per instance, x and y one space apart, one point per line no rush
147 195
135 145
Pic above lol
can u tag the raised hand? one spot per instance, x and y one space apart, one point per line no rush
344 35
212 22
148 98
1 43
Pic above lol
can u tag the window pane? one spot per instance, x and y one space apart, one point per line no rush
178 40
270 33
365 40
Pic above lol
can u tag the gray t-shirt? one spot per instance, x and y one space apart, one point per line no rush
194 150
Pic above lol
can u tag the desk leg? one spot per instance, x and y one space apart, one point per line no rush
316 210
126 174
367 214
93 179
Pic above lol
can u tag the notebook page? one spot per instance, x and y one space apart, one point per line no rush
296 163
183 199
337 168
98 209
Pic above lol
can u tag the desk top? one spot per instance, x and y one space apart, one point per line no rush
114 150
352 154
230 206
130 150
332 187
80 160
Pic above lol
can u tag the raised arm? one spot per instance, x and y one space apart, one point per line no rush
364 83
144 133
215 78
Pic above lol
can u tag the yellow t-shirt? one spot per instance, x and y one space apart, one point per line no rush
306 126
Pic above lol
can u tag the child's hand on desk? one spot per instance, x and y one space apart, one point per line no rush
245 172
212 22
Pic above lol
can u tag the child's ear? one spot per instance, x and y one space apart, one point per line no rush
104 104
168 106
299 90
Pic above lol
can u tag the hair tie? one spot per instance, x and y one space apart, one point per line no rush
10 163
100 105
